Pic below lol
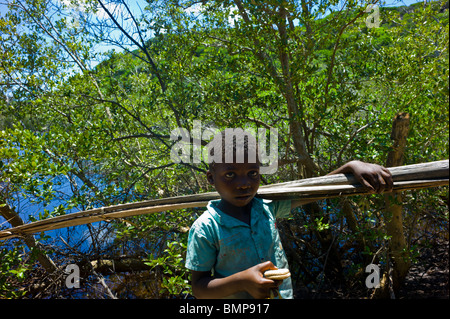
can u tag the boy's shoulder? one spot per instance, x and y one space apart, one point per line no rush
204 219
208 221
205 226
277 208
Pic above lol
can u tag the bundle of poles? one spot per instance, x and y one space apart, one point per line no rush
407 177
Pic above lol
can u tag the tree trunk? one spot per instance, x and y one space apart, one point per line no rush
398 249
14 219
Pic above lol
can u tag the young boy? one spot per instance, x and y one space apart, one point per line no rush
235 240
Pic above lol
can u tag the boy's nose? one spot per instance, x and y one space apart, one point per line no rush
244 186
243 183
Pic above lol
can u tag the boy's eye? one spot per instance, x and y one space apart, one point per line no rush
253 174
229 175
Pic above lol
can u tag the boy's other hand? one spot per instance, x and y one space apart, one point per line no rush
376 178
255 283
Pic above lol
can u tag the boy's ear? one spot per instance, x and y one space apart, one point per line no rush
210 177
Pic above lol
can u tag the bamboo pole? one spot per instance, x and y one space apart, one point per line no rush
408 177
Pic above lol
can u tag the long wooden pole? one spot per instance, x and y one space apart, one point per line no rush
405 177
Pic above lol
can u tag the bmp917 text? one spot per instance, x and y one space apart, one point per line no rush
246 308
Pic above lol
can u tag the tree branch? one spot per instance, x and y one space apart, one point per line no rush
15 220
351 138
333 56
143 47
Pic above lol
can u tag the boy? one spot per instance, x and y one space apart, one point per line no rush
235 240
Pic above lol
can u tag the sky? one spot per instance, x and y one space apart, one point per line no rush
142 3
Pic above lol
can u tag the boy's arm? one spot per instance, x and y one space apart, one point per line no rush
375 177
250 280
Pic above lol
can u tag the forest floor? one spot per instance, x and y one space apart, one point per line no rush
428 278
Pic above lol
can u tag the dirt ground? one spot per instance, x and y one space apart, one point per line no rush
429 276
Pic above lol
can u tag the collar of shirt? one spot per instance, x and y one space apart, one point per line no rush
226 220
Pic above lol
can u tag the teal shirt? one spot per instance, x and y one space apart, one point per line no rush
225 245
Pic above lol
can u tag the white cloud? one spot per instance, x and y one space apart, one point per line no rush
111 7
82 6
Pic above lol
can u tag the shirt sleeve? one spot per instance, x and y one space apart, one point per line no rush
280 208
201 252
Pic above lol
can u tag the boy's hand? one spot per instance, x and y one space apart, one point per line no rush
375 177
255 283
251 280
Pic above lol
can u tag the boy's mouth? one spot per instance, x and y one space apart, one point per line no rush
243 197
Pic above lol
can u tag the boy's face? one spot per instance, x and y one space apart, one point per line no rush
237 183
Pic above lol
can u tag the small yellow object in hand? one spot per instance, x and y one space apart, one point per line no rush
276 274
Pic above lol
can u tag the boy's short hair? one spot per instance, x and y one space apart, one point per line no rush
233 146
